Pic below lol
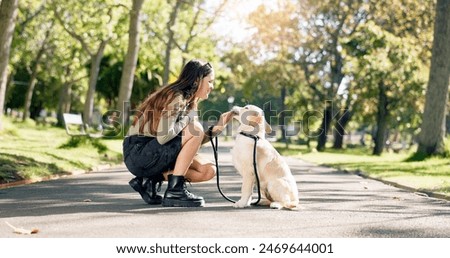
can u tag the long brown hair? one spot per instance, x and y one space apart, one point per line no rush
186 85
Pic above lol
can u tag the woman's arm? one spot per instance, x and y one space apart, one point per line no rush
173 121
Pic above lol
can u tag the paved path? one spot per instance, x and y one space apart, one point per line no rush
334 204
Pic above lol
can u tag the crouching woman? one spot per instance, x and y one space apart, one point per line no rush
163 141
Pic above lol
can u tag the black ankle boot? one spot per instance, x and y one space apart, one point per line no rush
152 189
148 189
177 194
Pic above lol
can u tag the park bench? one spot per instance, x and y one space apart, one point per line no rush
76 127
396 146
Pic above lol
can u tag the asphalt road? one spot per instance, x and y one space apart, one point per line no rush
334 204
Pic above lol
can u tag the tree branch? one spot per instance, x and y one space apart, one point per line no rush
72 33
28 19
311 84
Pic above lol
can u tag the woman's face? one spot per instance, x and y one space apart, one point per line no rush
206 86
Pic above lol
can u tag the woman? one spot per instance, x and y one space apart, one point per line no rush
163 140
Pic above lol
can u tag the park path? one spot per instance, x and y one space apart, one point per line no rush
333 204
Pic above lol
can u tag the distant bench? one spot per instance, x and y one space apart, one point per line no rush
396 147
76 127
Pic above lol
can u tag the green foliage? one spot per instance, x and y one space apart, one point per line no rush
78 141
431 175
16 167
374 55
32 152
297 46
421 156
418 156
447 148
108 83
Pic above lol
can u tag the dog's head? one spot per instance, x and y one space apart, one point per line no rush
251 119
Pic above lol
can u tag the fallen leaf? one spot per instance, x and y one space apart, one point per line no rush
22 230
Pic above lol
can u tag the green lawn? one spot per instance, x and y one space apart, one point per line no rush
430 175
34 152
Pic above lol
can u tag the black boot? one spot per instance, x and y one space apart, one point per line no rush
148 189
152 189
177 194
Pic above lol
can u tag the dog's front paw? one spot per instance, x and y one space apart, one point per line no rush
241 204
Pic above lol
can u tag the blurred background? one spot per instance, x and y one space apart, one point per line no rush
336 74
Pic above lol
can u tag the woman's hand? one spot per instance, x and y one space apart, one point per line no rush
225 118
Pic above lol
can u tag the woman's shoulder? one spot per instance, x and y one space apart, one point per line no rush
178 101
178 97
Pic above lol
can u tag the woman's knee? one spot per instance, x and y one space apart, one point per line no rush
208 171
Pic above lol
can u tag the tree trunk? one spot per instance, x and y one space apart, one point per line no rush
382 115
432 134
94 69
305 128
129 66
283 115
324 127
8 14
63 102
63 99
93 76
29 95
339 131
173 17
33 78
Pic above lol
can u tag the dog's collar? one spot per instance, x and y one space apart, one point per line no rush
254 137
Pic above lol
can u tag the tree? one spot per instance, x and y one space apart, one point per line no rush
386 73
42 63
29 50
431 138
8 14
34 72
273 44
93 35
411 22
186 32
170 41
320 56
196 27
129 66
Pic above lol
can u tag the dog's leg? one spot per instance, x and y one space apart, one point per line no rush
246 193
264 202
265 199
284 194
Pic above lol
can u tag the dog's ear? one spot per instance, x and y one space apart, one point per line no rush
255 119
268 128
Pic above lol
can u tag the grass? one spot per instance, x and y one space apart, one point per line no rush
428 175
31 152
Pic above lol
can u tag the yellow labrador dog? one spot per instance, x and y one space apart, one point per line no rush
278 186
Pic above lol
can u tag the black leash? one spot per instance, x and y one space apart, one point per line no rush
215 151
